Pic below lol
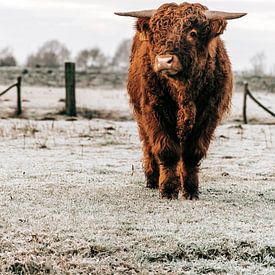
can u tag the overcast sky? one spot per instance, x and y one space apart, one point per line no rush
27 24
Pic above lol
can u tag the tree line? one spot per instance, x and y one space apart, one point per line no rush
53 54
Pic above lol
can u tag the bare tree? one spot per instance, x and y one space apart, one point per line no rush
258 62
82 59
122 54
52 54
7 58
272 71
91 58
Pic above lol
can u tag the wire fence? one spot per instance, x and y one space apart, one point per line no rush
70 95
70 106
16 85
247 93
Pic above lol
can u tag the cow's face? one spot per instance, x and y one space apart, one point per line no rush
179 36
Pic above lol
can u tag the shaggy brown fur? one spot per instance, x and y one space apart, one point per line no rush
177 115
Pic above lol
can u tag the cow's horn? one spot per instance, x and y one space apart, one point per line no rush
225 15
138 14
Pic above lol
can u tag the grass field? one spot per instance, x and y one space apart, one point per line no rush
73 197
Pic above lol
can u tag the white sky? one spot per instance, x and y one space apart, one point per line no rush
27 24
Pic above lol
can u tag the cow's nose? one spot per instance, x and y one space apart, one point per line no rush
169 64
164 62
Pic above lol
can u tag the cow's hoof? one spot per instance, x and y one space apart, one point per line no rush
169 189
151 184
169 196
192 196
152 180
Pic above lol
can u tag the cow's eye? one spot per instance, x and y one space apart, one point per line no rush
193 34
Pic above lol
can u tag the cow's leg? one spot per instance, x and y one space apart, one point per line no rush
195 148
190 181
159 125
150 165
167 154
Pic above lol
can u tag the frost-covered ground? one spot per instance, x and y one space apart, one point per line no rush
46 103
73 201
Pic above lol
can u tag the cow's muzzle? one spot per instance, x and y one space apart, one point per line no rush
167 64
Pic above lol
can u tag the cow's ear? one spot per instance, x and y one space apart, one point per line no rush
217 26
143 28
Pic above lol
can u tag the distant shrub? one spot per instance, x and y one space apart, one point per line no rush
52 54
7 58
91 58
122 54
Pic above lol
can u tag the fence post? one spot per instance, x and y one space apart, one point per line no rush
19 106
244 102
70 88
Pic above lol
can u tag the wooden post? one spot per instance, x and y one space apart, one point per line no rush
244 102
70 88
19 106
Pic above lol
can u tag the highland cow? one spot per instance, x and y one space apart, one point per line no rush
180 85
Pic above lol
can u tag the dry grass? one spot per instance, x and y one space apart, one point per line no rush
79 206
73 201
